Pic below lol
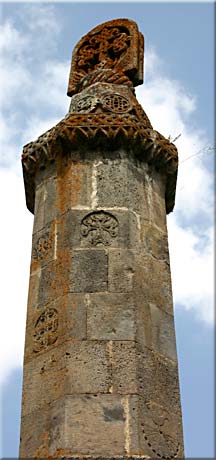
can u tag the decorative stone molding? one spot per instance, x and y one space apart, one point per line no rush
100 131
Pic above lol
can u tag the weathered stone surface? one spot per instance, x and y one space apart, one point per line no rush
120 184
75 367
89 271
111 317
153 280
45 203
157 374
73 185
43 246
34 283
95 424
124 367
71 316
54 280
34 437
154 241
160 432
155 328
121 270
103 457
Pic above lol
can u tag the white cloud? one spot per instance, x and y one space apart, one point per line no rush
170 109
33 82
192 262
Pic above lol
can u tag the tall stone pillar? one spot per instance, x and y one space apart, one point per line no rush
100 365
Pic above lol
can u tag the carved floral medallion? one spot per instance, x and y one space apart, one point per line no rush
100 228
45 330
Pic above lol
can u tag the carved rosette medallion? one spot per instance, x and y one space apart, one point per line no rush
41 246
45 330
100 228
116 103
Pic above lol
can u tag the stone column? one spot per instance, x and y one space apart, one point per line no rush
100 365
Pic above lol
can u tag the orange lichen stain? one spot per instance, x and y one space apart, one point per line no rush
35 264
69 183
42 451
60 453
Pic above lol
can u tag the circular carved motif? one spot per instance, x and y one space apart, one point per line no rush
116 103
157 435
100 228
46 328
42 245
84 104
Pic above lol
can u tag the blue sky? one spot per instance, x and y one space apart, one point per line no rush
36 42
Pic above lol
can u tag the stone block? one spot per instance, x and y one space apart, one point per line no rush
73 184
157 377
120 183
51 210
39 208
122 266
160 431
34 437
154 242
72 368
95 424
155 329
49 326
68 188
43 246
124 367
97 229
45 204
34 283
54 280
89 271
111 316
153 282
82 425
156 199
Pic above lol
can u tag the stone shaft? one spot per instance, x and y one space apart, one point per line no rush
100 371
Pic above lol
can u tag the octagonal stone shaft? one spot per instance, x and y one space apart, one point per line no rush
100 366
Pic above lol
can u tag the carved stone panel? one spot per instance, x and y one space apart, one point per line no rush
100 228
41 246
87 102
46 329
116 45
160 432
